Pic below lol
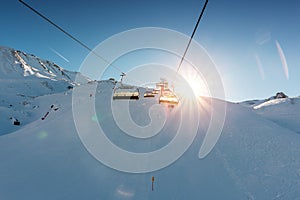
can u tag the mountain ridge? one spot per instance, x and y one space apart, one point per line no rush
24 78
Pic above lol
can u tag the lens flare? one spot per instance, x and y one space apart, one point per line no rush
194 80
42 135
283 60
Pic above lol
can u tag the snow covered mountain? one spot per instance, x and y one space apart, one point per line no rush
284 112
256 157
280 109
27 67
25 78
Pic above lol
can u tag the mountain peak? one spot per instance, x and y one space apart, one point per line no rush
279 95
15 64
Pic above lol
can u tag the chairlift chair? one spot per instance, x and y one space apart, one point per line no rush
126 92
155 91
149 93
168 97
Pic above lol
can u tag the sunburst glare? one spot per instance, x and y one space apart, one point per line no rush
194 80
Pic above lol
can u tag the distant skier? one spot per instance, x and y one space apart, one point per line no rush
44 117
15 121
52 107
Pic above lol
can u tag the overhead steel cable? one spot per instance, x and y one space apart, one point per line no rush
69 35
194 31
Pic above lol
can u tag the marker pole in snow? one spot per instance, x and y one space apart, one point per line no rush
152 183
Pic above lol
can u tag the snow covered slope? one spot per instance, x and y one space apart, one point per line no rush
281 109
256 157
284 111
24 79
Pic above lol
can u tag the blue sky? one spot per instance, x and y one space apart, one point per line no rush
246 39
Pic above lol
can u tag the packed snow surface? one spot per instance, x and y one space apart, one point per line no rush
256 157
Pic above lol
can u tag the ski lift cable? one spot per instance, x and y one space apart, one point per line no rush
72 37
194 31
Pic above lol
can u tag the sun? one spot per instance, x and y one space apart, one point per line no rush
195 82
